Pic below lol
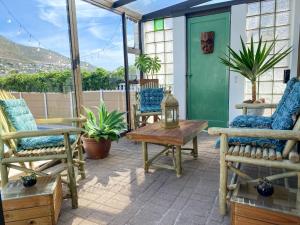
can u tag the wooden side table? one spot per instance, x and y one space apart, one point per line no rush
37 205
171 139
249 208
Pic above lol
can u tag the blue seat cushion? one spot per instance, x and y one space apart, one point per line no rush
286 115
18 114
278 145
248 121
289 87
43 142
21 119
151 99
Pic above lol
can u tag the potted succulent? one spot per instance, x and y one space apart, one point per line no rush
147 65
101 131
253 62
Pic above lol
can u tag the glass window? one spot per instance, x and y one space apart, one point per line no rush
158 24
274 22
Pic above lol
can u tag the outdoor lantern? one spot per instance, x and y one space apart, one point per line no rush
170 111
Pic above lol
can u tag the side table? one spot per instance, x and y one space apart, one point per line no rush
37 205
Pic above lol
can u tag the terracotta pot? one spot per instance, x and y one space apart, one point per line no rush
96 149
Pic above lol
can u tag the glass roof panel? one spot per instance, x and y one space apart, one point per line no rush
148 6
211 3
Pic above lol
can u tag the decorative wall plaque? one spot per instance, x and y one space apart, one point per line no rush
207 42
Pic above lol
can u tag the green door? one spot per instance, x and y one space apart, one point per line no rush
207 78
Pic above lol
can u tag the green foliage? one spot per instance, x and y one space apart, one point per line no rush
108 125
252 63
146 64
155 65
61 81
142 63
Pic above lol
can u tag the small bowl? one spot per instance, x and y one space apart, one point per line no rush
29 181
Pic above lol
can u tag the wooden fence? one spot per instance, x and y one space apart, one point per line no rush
51 105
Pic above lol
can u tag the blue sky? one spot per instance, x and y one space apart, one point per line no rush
100 35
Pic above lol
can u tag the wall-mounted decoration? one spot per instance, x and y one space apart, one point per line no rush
207 42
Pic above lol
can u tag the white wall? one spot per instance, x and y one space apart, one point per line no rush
236 81
179 62
295 30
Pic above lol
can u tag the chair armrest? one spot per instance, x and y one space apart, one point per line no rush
38 133
60 120
255 106
259 133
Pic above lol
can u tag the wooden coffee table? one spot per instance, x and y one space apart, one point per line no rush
171 139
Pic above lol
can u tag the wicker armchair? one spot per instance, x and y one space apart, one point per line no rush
143 110
26 143
261 141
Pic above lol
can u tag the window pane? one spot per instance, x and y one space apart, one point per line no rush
267 34
159 47
279 87
148 26
168 23
252 22
283 5
168 35
158 24
267 20
282 18
150 48
149 37
253 8
159 36
282 32
268 6
265 87
254 34
169 57
267 76
169 46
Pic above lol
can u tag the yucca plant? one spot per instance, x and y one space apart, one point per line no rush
253 62
108 126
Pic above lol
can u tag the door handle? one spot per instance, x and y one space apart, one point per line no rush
189 75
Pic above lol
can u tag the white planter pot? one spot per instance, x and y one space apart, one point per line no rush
255 112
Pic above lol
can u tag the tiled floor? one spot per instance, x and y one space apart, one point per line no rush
117 191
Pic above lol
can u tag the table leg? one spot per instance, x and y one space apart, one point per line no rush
145 153
195 147
178 161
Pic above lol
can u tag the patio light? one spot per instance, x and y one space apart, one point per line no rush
170 111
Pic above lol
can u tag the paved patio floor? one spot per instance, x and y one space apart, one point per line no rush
117 191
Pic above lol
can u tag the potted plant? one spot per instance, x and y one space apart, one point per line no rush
101 131
253 62
147 65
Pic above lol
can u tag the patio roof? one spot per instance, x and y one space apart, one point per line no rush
147 10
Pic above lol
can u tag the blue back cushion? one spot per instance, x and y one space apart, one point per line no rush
286 93
151 99
18 114
21 119
288 111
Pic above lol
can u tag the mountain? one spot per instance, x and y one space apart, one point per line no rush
26 59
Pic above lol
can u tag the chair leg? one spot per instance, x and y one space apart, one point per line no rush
223 176
71 172
298 193
80 157
4 174
3 167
